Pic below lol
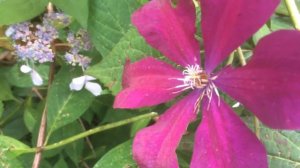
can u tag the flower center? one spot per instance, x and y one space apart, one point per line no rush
195 77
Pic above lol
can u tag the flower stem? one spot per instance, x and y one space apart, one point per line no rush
4 38
99 129
90 132
230 59
294 13
43 124
256 127
241 56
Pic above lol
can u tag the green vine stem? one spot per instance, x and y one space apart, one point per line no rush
88 133
294 12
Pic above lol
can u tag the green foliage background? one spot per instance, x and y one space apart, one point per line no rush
72 113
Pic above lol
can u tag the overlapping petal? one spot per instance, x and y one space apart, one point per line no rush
36 78
269 85
155 146
170 29
147 82
226 24
223 141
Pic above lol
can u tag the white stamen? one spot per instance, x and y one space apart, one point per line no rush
194 77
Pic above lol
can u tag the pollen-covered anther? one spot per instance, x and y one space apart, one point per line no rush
195 77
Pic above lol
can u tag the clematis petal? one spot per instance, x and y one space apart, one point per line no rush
155 146
36 78
269 85
147 82
77 83
170 29
223 140
94 88
25 69
226 24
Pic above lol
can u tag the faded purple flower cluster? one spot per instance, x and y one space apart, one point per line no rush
269 85
32 44
79 41
56 19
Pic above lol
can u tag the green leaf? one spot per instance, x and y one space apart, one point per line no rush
263 31
278 23
282 9
64 105
9 150
138 125
109 21
61 163
13 11
282 146
114 115
16 128
5 91
120 156
73 150
185 150
1 108
109 70
16 78
31 117
78 9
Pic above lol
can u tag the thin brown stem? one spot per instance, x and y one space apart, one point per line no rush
43 125
50 8
37 92
88 141
62 45
84 164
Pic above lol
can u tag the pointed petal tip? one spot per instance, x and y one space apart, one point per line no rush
94 88
36 78
25 69
77 83
223 140
155 146
269 85
170 30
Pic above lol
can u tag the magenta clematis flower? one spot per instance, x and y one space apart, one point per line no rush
269 85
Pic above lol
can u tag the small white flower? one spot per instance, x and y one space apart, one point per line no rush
78 83
36 78
10 31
